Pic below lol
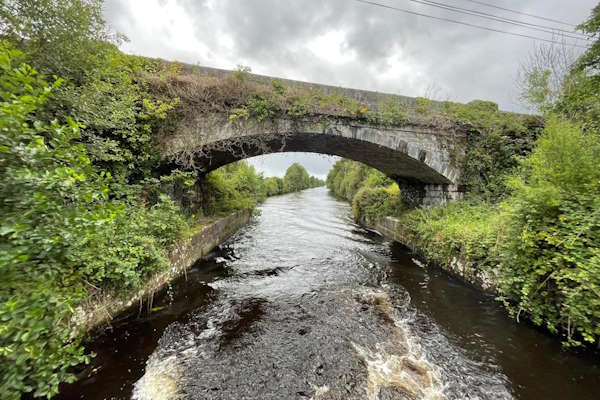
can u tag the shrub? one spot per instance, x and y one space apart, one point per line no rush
378 202
389 112
261 107
551 266
465 230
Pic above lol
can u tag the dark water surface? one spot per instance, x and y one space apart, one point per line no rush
304 304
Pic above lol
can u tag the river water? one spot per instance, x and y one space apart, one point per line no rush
305 304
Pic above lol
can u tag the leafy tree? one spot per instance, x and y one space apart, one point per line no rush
590 60
315 182
371 193
296 178
273 186
61 37
347 177
232 187
371 203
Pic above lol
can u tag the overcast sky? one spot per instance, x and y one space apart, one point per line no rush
345 43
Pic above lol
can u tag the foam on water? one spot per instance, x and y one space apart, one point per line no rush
400 362
160 380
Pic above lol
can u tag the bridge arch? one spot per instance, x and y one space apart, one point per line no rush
419 158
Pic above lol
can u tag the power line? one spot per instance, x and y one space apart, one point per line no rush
520 12
372 3
480 14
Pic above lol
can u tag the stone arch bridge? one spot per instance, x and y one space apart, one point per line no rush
418 155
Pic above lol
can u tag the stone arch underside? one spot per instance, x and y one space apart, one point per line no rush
395 164
418 158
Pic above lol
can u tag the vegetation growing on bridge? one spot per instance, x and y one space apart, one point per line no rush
534 222
494 138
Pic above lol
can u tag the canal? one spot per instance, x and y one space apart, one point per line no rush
305 304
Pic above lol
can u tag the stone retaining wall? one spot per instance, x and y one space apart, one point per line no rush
99 310
393 228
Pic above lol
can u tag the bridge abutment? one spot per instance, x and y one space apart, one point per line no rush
417 194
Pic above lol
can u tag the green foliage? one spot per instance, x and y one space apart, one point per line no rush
60 233
580 103
464 230
347 177
538 91
277 87
235 186
103 88
313 182
238 186
389 112
239 115
242 73
495 142
590 60
273 186
296 178
64 38
372 203
261 107
371 193
423 105
119 117
552 260
298 108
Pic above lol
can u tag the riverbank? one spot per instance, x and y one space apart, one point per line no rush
457 264
261 306
100 308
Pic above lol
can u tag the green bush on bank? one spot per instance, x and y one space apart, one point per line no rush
232 187
373 202
347 177
61 235
468 231
273 186
551 257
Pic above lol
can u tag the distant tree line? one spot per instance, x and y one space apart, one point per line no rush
296 178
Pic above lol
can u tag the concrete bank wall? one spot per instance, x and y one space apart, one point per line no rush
393 228
99 311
